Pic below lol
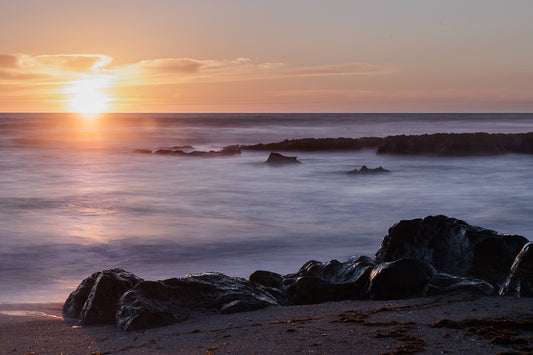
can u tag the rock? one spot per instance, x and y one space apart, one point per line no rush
458 144
317 144
75 301
452 246
266 278
230 150
519 283
157 303
402 278
226 151
279 159
318 282
366 171
98 296
143 151
445 283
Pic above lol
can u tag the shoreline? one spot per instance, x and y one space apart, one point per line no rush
370 327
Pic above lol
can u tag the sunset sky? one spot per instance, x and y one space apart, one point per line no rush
266 56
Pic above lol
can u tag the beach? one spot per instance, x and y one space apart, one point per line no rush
366 327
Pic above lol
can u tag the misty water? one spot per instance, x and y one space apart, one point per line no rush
75 199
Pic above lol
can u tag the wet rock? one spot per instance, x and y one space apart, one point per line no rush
399 279
445 283
366 171
157 303
266 278
165 151
519 282
230 150
279 159
75 301
458 144
318 282
318 144
452 246
226 151
98 296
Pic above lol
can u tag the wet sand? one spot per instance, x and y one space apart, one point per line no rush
426 325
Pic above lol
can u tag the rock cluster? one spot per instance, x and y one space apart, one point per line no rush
187 151
419 257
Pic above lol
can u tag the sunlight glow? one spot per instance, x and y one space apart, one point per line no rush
88 95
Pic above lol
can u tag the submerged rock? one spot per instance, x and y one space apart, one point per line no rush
452 246
279 159
226 151
519 282
157 303
366 171
96 298
402 278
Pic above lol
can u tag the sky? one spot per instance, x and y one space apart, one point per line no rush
266 56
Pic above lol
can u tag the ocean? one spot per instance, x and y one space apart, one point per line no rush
75 199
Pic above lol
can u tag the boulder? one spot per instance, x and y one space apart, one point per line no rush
279 159
443 283
519 283
318 282
402 278
266 278
366 171
452 246
157 303
98 296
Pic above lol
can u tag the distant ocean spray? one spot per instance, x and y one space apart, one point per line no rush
75 199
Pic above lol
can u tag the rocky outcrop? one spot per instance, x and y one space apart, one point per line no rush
226 151
366 171
280 159
452 246
458 144
96 298
420 257
519 283
317 144
158 303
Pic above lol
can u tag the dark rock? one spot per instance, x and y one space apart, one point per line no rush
98 296
279 159
402 278
164 152
157 303
366 171
445 283
318 282
230 150
519 283
143 151
452 246
182 147
317 144
75 301
266 278
458 144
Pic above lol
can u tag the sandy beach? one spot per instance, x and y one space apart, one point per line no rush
427 325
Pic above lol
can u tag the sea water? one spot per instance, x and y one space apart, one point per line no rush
75 199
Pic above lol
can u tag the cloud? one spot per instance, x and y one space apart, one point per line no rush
78 63
8 61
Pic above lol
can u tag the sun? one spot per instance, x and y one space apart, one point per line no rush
89 95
